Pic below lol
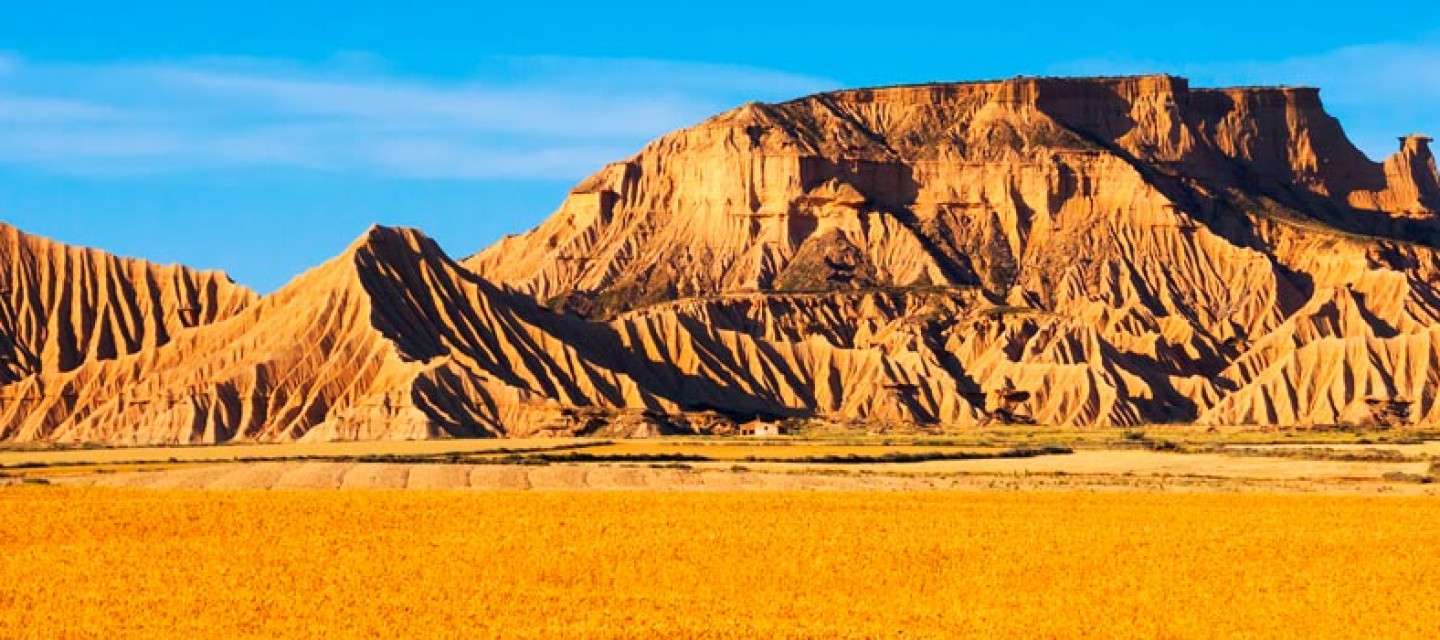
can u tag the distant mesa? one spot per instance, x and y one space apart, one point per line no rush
1066 251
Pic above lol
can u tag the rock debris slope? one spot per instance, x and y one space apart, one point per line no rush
1108 251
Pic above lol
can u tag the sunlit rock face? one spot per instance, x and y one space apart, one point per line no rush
1109 251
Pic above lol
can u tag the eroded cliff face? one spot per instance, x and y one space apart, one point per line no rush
946 185
1177 243
1081 252
394 340
63 306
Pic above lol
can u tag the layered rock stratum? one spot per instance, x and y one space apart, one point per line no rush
1090 252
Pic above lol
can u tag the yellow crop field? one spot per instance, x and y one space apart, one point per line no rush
93 563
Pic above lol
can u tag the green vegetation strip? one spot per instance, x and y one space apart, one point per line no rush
884 458
570 455
419 458
1323 453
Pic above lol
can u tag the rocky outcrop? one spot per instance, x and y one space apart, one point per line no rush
1110 251
943 184
1411 180
1177 242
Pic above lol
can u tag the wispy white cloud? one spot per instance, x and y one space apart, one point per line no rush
637 73
517 117
19 108
1379 91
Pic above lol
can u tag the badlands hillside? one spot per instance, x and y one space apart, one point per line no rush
1090 252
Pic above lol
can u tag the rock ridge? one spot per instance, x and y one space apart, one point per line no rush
1089 252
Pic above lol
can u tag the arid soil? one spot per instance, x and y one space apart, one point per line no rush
1088 470
237 452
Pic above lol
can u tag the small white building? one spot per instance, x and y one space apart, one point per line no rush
759 429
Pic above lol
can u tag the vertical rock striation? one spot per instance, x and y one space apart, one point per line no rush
1102 251
61 307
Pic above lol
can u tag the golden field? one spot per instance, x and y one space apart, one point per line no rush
93 563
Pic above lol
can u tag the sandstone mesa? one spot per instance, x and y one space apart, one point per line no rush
1090 252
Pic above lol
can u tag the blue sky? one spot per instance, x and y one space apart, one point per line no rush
263 137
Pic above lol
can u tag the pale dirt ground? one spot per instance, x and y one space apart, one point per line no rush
1086 470
226 453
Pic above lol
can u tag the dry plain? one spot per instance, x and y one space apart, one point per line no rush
1008 459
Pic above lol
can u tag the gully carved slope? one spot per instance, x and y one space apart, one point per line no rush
1107 251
